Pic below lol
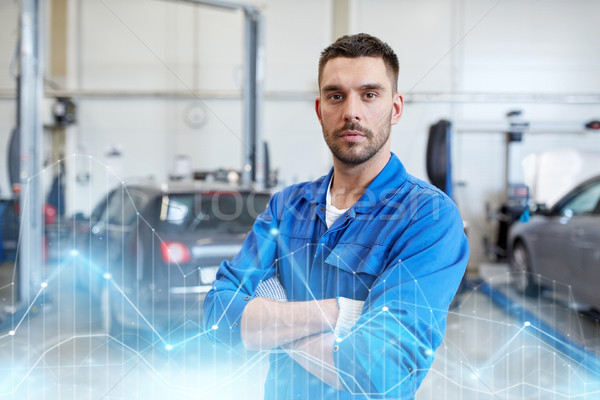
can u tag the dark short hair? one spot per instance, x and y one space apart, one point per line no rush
361 45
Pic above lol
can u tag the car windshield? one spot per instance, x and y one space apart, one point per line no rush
217 211
585 202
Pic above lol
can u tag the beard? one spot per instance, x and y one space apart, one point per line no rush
355 153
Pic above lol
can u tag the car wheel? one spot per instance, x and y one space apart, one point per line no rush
520 263
123 330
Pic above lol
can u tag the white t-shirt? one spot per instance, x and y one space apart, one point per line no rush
332 213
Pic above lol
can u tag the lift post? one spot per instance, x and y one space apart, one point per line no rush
253 159
30 127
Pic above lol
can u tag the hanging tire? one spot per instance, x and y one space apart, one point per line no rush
520 265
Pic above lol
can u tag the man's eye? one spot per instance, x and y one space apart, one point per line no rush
335 97
370 95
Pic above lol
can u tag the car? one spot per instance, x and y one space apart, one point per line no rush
559 247
149 253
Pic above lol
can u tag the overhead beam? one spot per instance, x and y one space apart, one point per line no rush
230 5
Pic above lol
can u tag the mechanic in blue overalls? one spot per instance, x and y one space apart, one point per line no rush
347 280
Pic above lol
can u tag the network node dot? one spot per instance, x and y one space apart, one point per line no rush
385 308
338 339
11 333
169 347
215 327
527 323
44 284
74 252
107 275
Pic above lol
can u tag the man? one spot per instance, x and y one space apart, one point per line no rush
347 279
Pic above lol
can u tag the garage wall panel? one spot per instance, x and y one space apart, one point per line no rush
420 33
7 123
295 34
9 13
159 45
532 46
9 31
215 142
297 147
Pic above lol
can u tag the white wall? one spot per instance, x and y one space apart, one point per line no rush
8 35
461 46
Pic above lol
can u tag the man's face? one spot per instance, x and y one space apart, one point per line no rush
357 107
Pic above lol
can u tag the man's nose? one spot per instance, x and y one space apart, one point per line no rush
352 109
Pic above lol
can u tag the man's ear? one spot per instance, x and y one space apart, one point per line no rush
318 109
397 108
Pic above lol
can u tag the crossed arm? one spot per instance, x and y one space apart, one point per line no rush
302 329
267 324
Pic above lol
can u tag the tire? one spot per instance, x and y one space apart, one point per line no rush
520 264
119 333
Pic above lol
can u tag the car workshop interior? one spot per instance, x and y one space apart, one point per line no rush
140 139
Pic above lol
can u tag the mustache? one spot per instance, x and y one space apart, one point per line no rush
353 126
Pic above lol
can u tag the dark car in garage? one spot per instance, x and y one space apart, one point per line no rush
151 252
559 248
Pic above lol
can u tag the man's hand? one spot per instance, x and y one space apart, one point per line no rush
315 354
349 313
313 351
268 323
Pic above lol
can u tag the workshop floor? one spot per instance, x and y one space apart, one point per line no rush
57 350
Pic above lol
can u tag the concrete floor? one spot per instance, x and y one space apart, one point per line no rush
487 354
58 351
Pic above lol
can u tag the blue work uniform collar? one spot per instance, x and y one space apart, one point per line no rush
379 191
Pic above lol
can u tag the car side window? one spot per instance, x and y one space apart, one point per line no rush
122 207
585 202
178 209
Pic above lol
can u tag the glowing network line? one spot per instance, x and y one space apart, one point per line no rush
249 364
478 373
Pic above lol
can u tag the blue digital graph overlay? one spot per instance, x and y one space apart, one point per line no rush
70 341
